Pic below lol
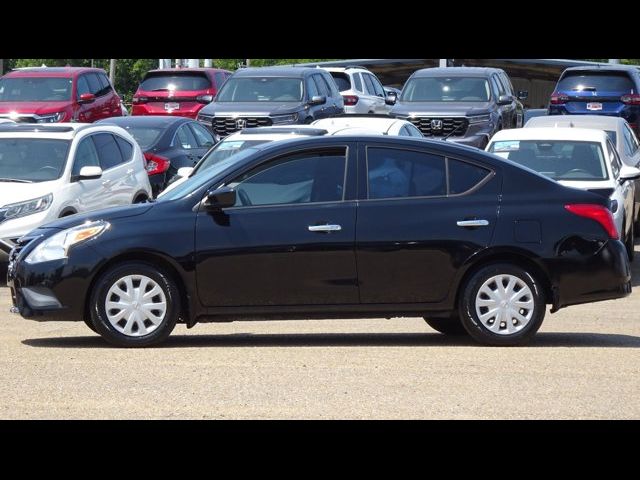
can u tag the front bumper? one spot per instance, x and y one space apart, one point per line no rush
11 230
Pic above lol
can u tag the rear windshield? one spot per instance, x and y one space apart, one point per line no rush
35 89
261 89
342 80
32 160
145 136
557 159
156 82
596 82
446 89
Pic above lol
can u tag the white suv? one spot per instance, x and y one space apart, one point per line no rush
361 90
51 171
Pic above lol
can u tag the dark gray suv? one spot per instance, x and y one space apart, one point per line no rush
464 104
258 97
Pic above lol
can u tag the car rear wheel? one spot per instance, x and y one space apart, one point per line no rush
448 326
502 304
135 304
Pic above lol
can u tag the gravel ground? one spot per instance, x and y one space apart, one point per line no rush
581 365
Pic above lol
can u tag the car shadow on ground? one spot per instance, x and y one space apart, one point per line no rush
3 274
544 339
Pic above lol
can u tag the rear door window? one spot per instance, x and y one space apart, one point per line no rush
108 151
616 165
185 139
125 148
630 141
202 135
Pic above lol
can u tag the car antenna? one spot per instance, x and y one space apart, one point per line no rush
452 132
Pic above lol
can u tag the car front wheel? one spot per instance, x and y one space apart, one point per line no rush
502 304
135 304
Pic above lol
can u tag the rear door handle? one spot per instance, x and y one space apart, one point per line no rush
324 228
472 223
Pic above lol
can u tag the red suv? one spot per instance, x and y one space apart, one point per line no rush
177 91
58 94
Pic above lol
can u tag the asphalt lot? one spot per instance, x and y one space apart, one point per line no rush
584 364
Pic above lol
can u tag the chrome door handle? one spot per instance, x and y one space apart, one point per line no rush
324 228
472 223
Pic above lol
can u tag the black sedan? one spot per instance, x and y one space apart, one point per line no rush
168 143
331 227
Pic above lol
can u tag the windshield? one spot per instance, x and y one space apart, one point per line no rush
155 82
224 150
557 159
194 182
32 160
145 136
35 89
261 89
446 89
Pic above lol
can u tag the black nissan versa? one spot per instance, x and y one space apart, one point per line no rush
259 97
462 104
331 227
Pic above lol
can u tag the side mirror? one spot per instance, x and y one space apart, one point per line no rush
318 100
89 173
391 99
184 172
523 95
505 99
629 173
223 197
87 98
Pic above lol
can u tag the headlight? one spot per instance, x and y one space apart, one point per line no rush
479 118
57 246
29 207
50 118
280 119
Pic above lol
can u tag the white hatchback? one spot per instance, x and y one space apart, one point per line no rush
51 171
575 157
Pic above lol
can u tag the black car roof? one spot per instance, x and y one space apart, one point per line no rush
456 72
144 121
276 72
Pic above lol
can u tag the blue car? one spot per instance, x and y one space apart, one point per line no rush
608 90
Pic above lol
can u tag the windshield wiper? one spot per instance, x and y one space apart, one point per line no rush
160 90
16 180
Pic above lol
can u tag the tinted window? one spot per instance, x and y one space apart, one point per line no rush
464 176
108 151
126 149
185 139
322 86
634 139
495 87
33 160
146 137
86 156
160 81
220 78
394 173
614 159
370 89
342 80
94 83
104 82
501 87
506 82
596 81
557 159
308 177
631 144
83 86
202 135
225 149
357 81
377 87
446 89
312 89
331 84
261 89
36 89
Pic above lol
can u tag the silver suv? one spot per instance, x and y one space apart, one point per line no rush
361 90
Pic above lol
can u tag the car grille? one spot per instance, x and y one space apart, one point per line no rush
449 124
224 126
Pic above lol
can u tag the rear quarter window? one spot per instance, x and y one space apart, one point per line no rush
464 176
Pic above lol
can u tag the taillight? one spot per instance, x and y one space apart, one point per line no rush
630 99
350 100
204 98
156 164
600 214
559 98
140 99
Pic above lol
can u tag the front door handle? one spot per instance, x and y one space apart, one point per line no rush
324 228
472 223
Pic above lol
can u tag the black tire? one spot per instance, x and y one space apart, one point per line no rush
448 326
88 323
110 278
629 243
478 330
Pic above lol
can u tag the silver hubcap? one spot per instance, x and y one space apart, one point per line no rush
135 305
504 304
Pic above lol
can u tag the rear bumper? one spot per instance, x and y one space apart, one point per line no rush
604 275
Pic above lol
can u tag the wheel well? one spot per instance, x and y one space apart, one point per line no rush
515 259
156 261
140 197
66 212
